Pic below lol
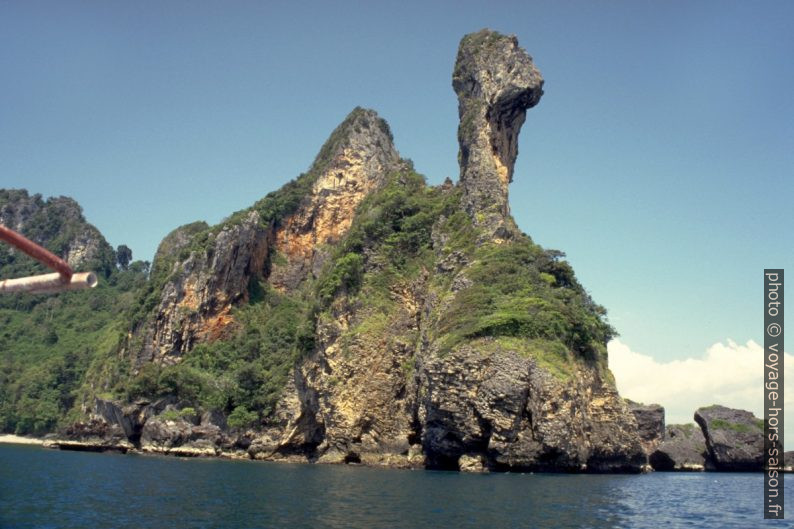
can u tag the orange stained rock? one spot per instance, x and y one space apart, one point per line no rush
218 326
329 213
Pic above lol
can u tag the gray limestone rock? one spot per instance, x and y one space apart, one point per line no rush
496 82
196 300
179 436
93 435
734 438
683 448
650 424
494 402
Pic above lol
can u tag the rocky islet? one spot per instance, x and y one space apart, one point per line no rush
395 384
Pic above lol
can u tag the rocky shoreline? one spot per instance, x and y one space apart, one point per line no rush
723 440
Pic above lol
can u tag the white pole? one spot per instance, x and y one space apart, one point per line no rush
48 283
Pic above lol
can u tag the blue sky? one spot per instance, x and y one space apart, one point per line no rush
660 158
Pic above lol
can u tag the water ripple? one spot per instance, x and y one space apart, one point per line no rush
49 489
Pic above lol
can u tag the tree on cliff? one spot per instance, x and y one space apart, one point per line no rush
123 256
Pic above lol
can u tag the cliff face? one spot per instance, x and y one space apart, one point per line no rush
358 165
209 270
359 315
493 404
650 424
196 301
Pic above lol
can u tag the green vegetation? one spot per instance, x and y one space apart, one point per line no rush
247 371
520 290
551 355
48 344
688 428
524 297
56 224
388 246
345 276
240 417
175 415
720 424
393 226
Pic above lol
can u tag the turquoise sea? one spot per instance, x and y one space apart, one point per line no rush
42 488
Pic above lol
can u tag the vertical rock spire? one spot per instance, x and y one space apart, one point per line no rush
496 82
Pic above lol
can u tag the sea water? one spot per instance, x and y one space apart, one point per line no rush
45 488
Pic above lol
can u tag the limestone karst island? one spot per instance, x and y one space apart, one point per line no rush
356 315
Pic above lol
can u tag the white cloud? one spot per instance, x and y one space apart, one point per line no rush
728 373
